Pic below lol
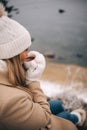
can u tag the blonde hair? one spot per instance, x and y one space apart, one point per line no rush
16 71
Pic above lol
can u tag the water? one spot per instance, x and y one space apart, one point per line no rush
63 34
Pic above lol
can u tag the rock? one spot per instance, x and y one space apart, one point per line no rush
32 39
61 11
49 55
79 55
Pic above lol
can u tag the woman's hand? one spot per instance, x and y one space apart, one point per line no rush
34 65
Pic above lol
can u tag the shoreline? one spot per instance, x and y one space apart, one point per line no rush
52 58
65 73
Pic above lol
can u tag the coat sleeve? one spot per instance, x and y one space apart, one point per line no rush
23 113
40 99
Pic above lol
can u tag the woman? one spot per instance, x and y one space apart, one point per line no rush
23 105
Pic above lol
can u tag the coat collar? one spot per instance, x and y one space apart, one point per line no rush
4 73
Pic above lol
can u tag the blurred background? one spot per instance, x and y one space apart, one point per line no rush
58 27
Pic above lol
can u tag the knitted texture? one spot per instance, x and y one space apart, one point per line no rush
14 38
35 67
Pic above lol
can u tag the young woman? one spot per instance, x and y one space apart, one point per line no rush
23 105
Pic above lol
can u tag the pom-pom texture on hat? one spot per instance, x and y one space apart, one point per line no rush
2 10
14 38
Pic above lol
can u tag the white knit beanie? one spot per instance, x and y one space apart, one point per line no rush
14 38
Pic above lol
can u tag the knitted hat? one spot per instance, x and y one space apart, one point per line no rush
14 38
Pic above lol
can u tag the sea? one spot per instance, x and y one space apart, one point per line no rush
58 28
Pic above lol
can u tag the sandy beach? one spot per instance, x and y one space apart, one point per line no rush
65 73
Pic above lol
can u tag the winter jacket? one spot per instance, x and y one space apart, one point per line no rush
26 108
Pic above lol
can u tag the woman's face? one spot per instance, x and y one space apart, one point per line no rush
23 56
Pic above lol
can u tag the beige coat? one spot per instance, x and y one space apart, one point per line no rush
26 109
